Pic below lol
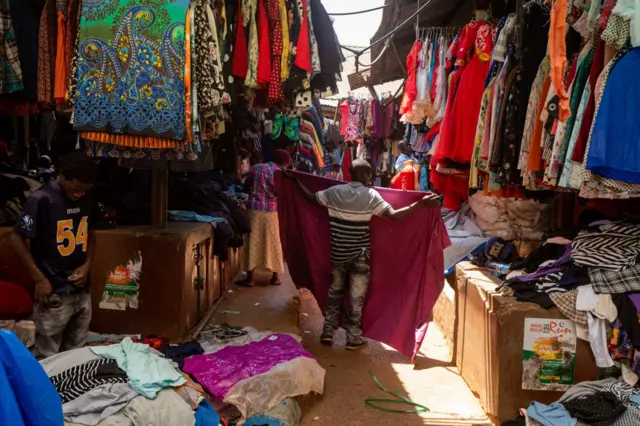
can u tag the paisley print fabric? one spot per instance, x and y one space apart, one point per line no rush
130 77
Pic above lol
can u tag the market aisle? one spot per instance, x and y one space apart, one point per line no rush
433 383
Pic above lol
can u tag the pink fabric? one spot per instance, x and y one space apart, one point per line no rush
407 265
220 371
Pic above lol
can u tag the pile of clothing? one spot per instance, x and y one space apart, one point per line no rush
605 402
594 280
228 375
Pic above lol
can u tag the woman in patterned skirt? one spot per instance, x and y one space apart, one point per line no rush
262 248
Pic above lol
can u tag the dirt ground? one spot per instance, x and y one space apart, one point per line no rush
432 382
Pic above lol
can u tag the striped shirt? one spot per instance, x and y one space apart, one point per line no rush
613 246
351 207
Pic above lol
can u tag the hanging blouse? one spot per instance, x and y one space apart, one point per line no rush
315 53
47 53
70 43
276 93
131 82
614 151
352 120
594 186
410 88
558 55
11 80
286 41
207 71
303 48
249 10
264 58
630 10
240 52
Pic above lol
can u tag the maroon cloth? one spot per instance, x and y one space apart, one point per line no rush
407 264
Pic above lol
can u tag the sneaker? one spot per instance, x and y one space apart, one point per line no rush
355 344
326 339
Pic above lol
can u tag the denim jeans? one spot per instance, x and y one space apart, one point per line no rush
63 324
352 276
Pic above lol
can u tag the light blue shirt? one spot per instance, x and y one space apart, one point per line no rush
400 161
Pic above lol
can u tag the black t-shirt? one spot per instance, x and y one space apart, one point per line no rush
59 232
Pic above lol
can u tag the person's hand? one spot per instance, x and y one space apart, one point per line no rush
79 276
289 174
430 199
43 290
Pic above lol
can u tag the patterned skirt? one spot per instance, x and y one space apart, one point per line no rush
262 248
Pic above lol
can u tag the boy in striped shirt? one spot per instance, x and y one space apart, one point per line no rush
351 207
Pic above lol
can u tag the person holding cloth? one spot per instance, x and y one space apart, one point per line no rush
54 241
351 207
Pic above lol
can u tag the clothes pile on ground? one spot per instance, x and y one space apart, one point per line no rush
607 402
228 376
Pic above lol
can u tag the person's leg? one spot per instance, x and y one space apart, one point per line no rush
275 279
248 281
359 274
75 335
51 322
335 301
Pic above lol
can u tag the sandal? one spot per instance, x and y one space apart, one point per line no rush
245 283
275 281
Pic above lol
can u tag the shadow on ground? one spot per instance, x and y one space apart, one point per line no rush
433 381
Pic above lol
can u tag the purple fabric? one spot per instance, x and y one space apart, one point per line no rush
378 118
635 298
546 270
407 262
220 371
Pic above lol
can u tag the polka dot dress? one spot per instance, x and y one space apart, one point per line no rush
276 93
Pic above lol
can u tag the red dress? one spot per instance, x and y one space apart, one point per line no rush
264 55
410 88
459 124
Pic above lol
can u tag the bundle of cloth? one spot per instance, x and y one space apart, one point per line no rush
256 372
605 402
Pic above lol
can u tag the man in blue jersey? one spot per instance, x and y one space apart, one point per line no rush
54 242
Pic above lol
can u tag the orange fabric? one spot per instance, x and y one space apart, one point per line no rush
535 150
132 141
60 85
558 55
187 76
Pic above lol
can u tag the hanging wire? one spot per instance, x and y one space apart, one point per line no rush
360 11
390 33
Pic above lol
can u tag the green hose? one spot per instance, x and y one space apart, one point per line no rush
401 400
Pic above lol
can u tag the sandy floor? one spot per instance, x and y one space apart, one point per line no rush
433 382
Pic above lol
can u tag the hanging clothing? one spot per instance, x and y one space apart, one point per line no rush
110 76
459 126
276 93
410 88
